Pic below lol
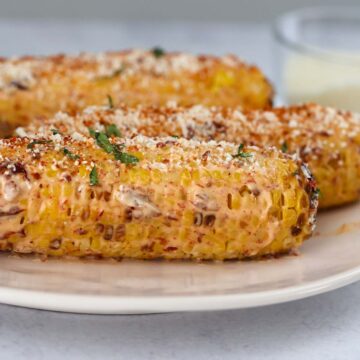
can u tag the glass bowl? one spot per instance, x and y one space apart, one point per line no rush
318 57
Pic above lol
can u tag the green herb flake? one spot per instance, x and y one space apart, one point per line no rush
112 130
284 147
32 144
175 136
94 178
70 155
158 52
241 153
92 132
114 74
111 101
102 141
124 157
55 132
118 71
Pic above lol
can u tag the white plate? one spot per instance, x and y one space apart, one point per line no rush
329 260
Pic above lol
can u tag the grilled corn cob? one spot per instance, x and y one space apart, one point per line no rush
151 198
31 87
327 139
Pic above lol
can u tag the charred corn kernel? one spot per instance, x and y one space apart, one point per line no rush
186 178
41 86
221 80
235 201
83 171
67 191
326 139
188 217
290 199
156 176
51 173
187 213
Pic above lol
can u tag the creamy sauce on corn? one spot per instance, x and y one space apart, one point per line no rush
206 198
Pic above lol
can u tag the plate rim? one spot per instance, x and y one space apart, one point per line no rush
116 305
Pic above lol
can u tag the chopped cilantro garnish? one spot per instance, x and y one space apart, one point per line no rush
94 178
103 141
124 157
69 154
112 130
55 132
241 153
158 52
92 132
118 71
32 144
284 147
111 102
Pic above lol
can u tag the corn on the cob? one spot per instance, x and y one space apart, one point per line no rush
164 198
31 87
327 139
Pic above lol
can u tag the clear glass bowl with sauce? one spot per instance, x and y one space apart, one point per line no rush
319 56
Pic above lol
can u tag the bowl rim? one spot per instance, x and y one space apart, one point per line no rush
293 18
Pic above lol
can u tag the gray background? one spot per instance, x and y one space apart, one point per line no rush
204 10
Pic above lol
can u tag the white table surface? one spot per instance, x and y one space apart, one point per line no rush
323 327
